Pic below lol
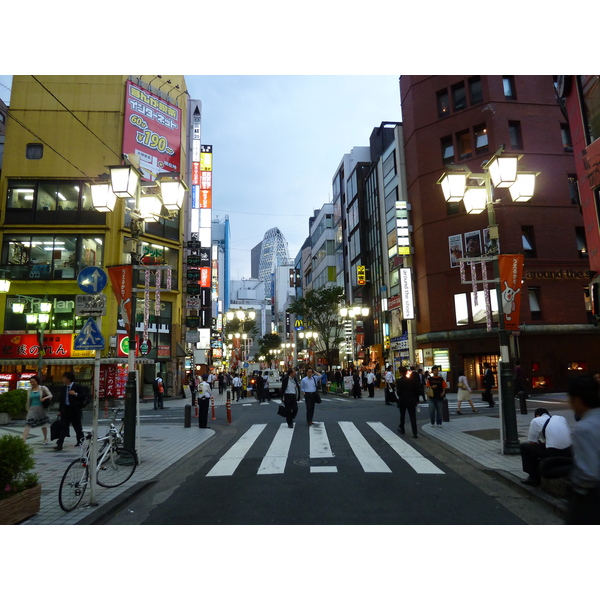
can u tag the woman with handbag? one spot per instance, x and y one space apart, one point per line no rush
464 392
38 402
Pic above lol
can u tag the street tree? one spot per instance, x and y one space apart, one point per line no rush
319 310
269 341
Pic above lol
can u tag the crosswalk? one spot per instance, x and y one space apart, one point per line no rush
277 456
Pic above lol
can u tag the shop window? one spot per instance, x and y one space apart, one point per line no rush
514 132
34 151
508 83
565 133
21 196
581 243
465 148
528 241
443 103
475 90
534 304
481 139
459 96
447 150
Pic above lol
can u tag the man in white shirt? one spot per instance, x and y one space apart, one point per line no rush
390 386
291 395
204 394
236 387
309 386
548 436
371 383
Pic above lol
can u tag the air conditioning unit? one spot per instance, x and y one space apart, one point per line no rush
130 246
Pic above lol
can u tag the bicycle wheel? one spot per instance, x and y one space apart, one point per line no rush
116 467
73 485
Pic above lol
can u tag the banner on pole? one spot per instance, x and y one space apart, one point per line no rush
511 275
121 278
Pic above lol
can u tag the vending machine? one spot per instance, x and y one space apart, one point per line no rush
24 383
8 381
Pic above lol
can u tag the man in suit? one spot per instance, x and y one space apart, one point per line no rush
308 385
69 409
488 384
407 389
290 390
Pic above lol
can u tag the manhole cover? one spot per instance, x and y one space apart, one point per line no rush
310 462
489 435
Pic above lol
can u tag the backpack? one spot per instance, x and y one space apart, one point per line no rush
157 386
85 396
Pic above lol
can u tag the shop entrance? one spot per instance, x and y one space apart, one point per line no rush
474 369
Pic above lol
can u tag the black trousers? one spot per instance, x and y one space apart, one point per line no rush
291 403
203 404
356 391
309 398
532 455
488 397
412 415
158 400
371 387
70 415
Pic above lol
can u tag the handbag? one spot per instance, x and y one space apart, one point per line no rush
317 398
461 386
46 403
429 391
282 410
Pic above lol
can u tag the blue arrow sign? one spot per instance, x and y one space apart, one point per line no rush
90 337
92 280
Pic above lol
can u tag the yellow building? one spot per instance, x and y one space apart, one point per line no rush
62 133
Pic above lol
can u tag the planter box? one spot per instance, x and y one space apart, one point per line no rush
4 418
21 506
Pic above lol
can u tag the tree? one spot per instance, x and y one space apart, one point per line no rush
269 341
319 310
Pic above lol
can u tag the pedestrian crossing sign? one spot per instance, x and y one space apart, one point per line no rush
90 337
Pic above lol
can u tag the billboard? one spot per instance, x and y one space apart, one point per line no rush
152 131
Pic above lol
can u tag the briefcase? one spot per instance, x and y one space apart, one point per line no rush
56 428
282 410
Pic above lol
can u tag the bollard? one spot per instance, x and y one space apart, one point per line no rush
212 402
196 408
523 402
187 416
228 406
445 411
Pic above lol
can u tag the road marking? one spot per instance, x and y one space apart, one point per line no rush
276 456
319 442
368 458
418 462
323 470
233 457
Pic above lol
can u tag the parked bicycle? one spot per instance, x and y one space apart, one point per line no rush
115 465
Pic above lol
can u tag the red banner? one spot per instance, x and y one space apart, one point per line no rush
511 275
121 278
152 131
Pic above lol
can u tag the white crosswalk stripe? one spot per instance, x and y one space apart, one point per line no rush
275 460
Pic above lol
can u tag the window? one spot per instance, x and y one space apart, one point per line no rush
447 150
573 189
481 139
461 310
465 149
581 243
475 90
34 151
528 241
508 82
565 133
590 92
534 304
514 132
443 103
459 96
389 164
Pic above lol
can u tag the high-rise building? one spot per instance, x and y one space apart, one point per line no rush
273 253
255 260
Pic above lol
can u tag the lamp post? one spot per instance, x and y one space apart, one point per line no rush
244 318
151 200
39 317
498 172
354 313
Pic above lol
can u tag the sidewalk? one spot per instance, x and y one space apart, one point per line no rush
475 436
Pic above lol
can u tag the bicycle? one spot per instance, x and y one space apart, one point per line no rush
115 465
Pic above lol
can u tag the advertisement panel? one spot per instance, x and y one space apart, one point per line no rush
152 131
408 305
511 274
28 346
121 278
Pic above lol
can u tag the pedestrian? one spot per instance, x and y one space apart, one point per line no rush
324 382
265 391
356 393
548 436
158 387
236 387
291 394
363 376
338 379
371 383
488 384
204 394
260 383
193 387
211 380
37 414
421 379
464 392
584 478
390 386
520 381
308 385
69 409
438 386
408 397
221 380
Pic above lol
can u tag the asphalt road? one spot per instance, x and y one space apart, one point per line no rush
352 468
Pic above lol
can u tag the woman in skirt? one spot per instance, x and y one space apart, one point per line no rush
37 415
464 393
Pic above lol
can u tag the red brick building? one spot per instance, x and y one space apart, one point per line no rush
463 120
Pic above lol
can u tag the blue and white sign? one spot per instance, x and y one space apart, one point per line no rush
92 280
90 337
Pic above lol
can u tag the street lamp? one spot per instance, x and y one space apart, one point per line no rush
39 316
498 172
354 314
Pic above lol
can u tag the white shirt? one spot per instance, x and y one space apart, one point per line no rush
237 382
558 432
291 387
389 377
308 384
205 390
463 379
370 378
